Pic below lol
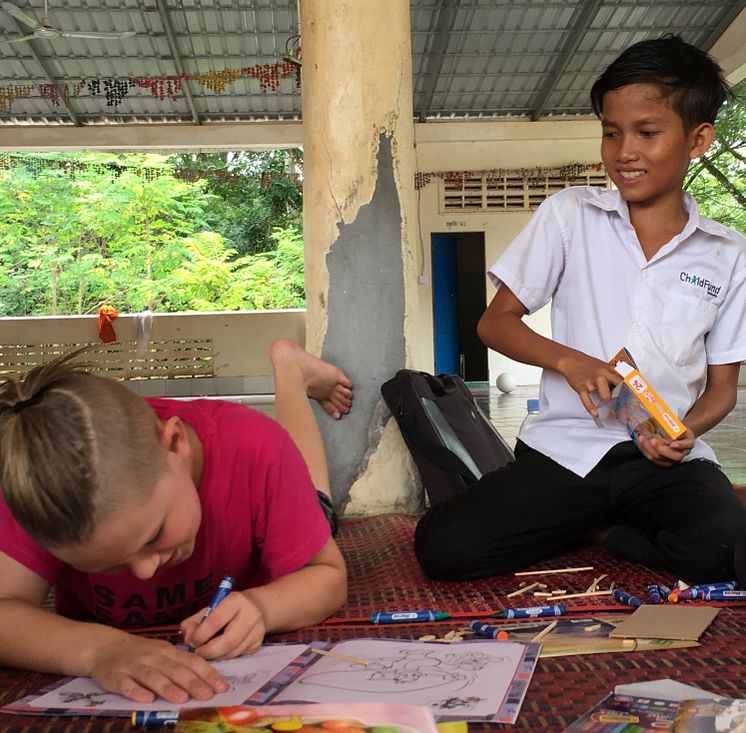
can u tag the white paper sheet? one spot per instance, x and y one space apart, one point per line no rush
244 674
469 678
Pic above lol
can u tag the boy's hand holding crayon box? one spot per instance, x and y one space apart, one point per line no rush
639 407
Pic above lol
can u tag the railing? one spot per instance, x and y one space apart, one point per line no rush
175 354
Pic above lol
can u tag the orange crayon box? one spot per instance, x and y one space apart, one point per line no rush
638 406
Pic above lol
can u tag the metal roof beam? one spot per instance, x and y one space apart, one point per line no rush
443 28
178 62
728 18
584 18
48 75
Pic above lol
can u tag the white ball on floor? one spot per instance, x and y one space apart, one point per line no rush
505 382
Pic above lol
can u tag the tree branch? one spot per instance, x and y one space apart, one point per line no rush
724 181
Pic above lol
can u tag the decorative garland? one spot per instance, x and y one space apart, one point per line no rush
160 87
10 94
567 172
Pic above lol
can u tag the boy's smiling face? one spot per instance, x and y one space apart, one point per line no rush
644 147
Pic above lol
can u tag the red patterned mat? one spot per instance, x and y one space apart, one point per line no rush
384 576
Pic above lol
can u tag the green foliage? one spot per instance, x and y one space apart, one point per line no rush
275 279
134 232
718 179
254 192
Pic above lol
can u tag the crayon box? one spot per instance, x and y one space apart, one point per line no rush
638 406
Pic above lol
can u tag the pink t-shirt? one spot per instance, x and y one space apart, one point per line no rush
261 519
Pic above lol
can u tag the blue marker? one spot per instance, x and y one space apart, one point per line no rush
654 595
556 609
624 597
402 617
225 587
154 718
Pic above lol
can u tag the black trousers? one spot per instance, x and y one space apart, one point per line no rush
683 520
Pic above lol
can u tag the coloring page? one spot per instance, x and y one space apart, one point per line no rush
244 674
470 677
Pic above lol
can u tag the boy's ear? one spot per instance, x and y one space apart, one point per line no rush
702 136
173 436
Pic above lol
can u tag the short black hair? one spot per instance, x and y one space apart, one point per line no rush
685 73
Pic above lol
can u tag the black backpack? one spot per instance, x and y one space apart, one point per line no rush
451 440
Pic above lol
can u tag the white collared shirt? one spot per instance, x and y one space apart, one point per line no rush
683 309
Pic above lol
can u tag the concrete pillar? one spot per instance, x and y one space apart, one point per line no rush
360 232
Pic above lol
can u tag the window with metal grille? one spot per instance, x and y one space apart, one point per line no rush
491 191
164 358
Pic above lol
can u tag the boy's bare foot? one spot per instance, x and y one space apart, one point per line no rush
324 382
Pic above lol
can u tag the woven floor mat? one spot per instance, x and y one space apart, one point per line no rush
384 575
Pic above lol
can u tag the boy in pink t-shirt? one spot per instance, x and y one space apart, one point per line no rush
134 510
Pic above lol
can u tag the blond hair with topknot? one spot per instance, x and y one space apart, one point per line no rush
73 448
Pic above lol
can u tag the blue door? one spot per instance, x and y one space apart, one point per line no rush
445 303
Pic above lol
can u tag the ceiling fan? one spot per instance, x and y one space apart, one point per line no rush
42 29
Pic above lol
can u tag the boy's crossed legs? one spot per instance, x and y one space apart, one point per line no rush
684 520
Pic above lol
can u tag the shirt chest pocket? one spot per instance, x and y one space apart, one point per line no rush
676 324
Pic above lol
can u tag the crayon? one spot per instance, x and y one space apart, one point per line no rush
401 617
654 595
725 585
556 609
664 590
721 595
225 587
492 632
696 590
154 718
624 597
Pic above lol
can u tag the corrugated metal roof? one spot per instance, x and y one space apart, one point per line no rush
471 58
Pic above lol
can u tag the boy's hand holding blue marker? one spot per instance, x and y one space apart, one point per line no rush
225 587
240 619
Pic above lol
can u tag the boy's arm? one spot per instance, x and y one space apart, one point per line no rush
136 667
715 402
301 598
502 328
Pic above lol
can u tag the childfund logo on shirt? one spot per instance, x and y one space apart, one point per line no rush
700 282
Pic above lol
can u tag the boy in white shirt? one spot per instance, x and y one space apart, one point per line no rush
637 267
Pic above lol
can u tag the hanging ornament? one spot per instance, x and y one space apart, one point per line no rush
161 86
217 81
11 93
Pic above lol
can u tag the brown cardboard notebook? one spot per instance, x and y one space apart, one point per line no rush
666 622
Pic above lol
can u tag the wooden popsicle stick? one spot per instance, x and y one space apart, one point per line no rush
545 631
556 570
580 595
524 589
343 657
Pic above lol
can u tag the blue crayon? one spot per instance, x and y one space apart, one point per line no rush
654 595
725 585
696 591
225 587
664 590
624 597
402 617
722 595
491 632
154 718
556 609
